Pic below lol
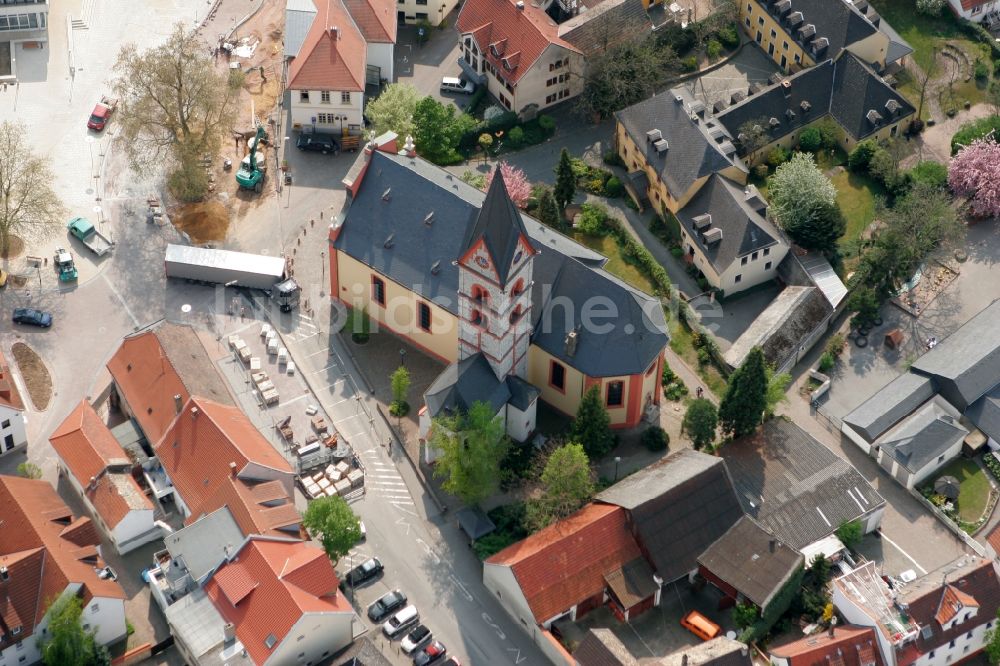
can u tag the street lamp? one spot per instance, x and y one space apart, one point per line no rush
618 459
402 358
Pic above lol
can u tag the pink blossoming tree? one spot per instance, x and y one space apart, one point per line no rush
975 172
517 183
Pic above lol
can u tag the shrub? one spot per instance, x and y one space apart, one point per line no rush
675 390
826 361
761 171
835 345
982 70
690 63
476 99
676 252
862 155
681 40
593 220
491 544
493 113
810 140
704 357
532 133
992 464
547 124
929 173
713 49
655 438
830 131
729 37
973 130
931 7
613 188
515 136
777 156
612 158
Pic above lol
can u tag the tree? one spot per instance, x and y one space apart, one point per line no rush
592 426
744 615
865 302
862 155
981 128
991 641
931 7
517 183
400 382
27 199
975 172
805 203
67 643
700 422
392 110
743 405
850 534
29 470
753 135
810 140
471 447
565 181
567 484
485 143
437 130
174 107
777 384
548 210
624 74
331 520
884 168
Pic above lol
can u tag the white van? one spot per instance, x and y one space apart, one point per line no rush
450 84
401 621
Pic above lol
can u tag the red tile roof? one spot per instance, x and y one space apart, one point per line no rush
971 4
519 34
953 601
114 496
201 445
993 538
328 59
85 444
288 579
42 542
251 514
376 19
566 562
849 645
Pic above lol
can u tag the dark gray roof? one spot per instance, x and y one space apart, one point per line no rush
873 417
299 15
720 651
600 647
522 394
923 436
857 91
838 21
780 329
794 486
394 199
474 522
679 506
206 543
691 153
498 225
632 583
752 560
744 230
970 356
463 383
985 413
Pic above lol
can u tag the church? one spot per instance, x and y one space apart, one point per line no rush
517 311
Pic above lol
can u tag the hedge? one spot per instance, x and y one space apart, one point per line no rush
992 464
632 251
532 132
977 32
778 606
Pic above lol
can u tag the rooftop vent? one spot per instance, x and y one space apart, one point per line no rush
194 412
789 115
178 403
520 5
702 221
694 118
653 135
389 241
805 106
874 117
713 235
679 98
786 86
661 146
572 338
436 267
429 218
820 45
386 194
892 106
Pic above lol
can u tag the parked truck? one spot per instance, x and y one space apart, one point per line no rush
88 234
233 269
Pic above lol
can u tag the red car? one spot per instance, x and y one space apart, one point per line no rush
431 654
101 114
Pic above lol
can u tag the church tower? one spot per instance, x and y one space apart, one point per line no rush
494 285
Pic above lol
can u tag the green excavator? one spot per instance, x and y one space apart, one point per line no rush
250 175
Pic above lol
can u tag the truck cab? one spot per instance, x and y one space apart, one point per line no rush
66 266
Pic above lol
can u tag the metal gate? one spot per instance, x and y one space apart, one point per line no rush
373 75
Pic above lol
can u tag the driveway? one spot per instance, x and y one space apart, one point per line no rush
423 65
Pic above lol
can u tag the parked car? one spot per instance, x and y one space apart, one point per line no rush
362 573
451 661
319 143
416 639
32 317
451 84
700 626
364 530
397 625
431 654
388 604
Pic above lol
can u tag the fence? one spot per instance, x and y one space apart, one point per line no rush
959 532
831 423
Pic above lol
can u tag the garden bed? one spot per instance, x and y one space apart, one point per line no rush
969 511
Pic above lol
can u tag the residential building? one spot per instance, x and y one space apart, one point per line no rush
750 565
534 55
482 287
677 507
25 22
98 469
938 619
13 422
45 553
600 647
986 12
844 89
796 488
572 567
919 421
849 645
799 34
258 600
335 52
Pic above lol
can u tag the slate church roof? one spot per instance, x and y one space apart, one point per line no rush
498 225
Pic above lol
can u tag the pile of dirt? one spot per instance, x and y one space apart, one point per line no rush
34 373
203 222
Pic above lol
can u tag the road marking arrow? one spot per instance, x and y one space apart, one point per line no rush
517 655
402 521
496 627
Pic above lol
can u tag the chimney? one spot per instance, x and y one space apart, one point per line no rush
178 403
772 545
232 469
571 339
410 148
520 5
684 659
228 633
194 412
4 575
786 86
334 32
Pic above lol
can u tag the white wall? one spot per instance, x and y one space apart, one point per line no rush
856 437
980 12
521 424
15 427
255 472
381 55
107 616
136 529
500 581
326 113
314 637
873 520
965 647
854 614
753 272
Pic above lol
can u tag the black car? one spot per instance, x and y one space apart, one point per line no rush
386 606
431 654
32 317
362 573
317 142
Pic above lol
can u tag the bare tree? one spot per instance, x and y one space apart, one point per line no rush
753 135
174 103
26 195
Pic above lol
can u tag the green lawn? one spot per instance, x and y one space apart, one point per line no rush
617 265
856 197
975 488
683 346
